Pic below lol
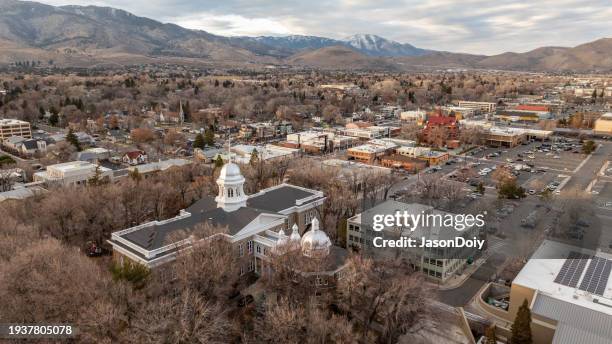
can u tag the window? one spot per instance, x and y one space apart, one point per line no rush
240 250
251 266
250 246
241 270
258 249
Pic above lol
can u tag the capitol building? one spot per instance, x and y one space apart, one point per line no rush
276 220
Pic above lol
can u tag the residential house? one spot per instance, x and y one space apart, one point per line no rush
135 158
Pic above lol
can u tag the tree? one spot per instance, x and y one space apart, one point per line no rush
209 136
254 157
588 147
142 135
135 175
53 119
219 161
383 290
184 318
97 178
73 139
199 141
490 335
521 328
135 273
480 188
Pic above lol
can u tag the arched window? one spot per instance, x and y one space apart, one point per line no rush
230 192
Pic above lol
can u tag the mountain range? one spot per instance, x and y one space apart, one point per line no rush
90 35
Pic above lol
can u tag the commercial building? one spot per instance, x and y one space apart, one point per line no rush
513 115
154 167
403 162
432 157
14 127
372 150
437 264
504 137
94 155
417 116
603 125
569 292
72 173
319 141
459 112
243 153
265 130
483 107
448 124
23 146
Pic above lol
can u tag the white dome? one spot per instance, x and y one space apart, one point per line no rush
230 172
315 243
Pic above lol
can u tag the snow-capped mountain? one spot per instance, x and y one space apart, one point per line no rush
377 46
368 44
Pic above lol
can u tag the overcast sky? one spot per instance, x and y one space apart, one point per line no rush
473 26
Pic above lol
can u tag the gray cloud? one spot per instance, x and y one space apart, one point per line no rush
474 26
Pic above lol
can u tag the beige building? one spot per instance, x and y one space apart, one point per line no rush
481 106
14 127
569 292
72 173
603 125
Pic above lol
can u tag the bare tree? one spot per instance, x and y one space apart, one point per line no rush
185 318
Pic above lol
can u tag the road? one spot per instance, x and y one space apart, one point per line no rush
588 172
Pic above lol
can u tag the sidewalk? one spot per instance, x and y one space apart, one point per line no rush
456 281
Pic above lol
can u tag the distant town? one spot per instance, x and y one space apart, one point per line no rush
154 203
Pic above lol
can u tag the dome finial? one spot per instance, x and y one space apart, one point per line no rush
295 234
315 224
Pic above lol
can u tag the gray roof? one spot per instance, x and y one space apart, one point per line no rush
566 334
204 210
30 144
278 199
573 315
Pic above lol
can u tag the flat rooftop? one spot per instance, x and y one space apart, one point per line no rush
9 121
546 264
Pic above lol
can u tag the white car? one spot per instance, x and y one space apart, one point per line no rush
556 157
531 156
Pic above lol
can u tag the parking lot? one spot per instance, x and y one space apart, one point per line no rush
537 165
561 157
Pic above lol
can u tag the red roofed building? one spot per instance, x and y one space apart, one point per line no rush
527 107
449 132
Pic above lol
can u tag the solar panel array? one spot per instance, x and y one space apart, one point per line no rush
572 269
596 277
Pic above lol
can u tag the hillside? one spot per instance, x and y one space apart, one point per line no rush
340 57
90 35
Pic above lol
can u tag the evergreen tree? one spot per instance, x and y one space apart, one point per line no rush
521 328
209 136
199 141
96 179
254 157
73 139
53 119
490 335
135 175
219 161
